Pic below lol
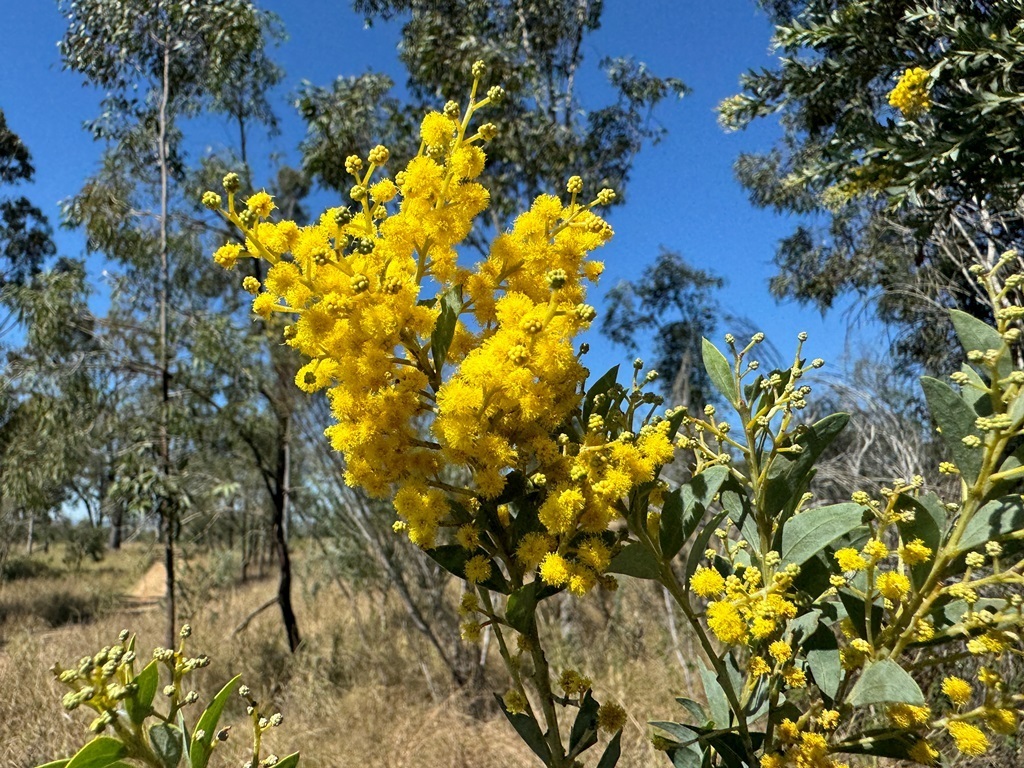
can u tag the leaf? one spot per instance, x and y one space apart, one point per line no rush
718 702
528 730
601 386
584 730
520 608
955 419
101 752
637 561
884 682
700 544
879 742
167 743
140 704
822 653
453 559
808 533
689 756
612 752
694 708
855 609
719 371
978 336
787 476
289 761
671 534
199 753
993 521
444 329
56 763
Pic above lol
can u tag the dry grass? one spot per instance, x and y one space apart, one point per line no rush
365 690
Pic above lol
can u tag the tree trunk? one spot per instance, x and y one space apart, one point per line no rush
31 530
282 502
167 509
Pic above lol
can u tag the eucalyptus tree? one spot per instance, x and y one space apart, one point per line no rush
158 64
894 199
535 50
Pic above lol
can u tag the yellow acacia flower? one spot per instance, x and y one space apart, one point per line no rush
915 552
850 560
893 585
554 570
957 690
707 582
875 550
968 738
261 203
757 667
912 95
478 568
923 753
725 621
611 717
907 716
781 651
1003 721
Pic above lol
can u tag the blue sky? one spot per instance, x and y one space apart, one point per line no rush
683 194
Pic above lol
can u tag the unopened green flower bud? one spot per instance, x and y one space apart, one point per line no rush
353 164
496 94
248 218
358 192
212 201
557 279
605 196
488 131
479 69
379 155
451 110
342 217
231 183
360 283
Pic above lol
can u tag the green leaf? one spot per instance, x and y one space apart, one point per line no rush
453 559
880 742
884 682
719 371
702 488
855 609
718 702
955 419
695 709
787 476
167 743
140 704
289 761
529 731
600 386
993 521
671 534
199 752
612 752
521 606
808 533
56 763
637 561
101 752
450 304
584 729
979 336
822 653
700 544
689 756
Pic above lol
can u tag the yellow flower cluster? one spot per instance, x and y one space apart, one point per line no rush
912 94
747 612
439 401
801 749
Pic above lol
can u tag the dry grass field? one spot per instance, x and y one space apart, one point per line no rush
365 689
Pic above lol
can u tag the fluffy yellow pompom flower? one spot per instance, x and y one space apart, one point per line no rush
757 667
968 738
781 651
924 753
611 717
554 570
725 621
957 690
850 560
478 568
893 585
912 95
436 129
876 550
915 552
707 582
907 716
227 255
261 203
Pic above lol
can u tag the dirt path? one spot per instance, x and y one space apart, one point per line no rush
150 589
